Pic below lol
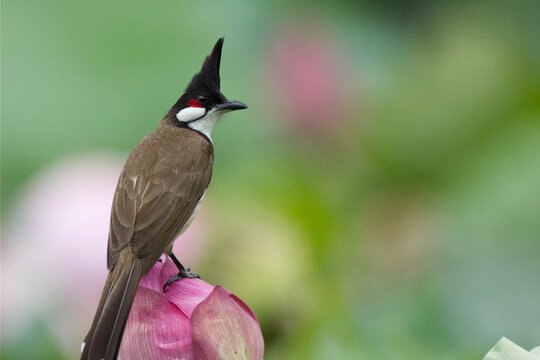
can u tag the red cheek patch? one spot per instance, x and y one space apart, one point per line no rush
194 103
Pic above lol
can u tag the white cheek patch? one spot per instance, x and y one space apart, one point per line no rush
190 114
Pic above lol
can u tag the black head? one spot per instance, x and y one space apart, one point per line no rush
203 94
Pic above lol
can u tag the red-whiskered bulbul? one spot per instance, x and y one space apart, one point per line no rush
159 192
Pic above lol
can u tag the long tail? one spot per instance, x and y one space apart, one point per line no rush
103 339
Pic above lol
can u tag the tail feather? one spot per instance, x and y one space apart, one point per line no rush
105 335
104 295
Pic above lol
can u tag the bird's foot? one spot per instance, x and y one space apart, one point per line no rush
182 274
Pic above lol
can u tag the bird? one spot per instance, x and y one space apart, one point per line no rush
158 195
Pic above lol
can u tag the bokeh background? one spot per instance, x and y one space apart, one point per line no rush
380 199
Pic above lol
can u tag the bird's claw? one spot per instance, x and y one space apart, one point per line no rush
182 274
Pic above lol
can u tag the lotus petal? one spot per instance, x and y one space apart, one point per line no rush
225 328
156 329
185 293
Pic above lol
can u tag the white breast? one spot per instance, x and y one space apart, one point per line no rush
192 216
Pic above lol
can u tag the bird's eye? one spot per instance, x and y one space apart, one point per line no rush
202 99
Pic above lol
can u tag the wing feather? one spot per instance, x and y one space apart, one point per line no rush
157 194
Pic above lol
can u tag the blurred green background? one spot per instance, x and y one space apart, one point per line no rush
379 199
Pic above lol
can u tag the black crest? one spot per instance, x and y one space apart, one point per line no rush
209 74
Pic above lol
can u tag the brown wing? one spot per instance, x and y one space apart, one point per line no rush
163 179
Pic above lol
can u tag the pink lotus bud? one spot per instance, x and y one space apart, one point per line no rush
191 320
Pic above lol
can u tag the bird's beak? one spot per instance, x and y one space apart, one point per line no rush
231 105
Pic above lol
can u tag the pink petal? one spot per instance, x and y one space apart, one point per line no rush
223 328
244 307
168 270
185 293
156 329
152 280
188 293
